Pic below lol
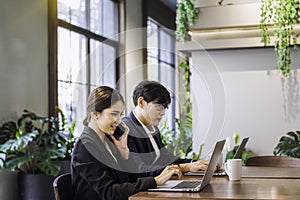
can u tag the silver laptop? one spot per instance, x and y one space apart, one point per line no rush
191 185
239 151
221 172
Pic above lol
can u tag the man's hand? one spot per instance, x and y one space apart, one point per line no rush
200 165
167 173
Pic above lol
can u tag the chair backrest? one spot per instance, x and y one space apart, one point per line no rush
63 187
273 161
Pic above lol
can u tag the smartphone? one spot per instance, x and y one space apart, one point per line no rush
120 130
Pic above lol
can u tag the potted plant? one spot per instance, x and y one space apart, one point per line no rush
289 145
230 153
8 179
69 140
34 152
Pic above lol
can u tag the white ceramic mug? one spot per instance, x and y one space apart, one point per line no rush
233 168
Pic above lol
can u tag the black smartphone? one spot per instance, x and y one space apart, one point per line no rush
120 130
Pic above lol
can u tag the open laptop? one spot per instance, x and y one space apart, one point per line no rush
193 185
221 172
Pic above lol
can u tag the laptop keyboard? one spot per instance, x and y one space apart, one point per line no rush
187 184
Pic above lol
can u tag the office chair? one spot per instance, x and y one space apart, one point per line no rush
273 161
62 186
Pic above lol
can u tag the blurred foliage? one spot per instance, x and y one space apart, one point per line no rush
186 16
289 145
281 16
180 140
229 155
34 144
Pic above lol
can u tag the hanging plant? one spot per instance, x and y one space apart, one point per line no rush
186 16
282 16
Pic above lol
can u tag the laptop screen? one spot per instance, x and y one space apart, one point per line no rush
241 148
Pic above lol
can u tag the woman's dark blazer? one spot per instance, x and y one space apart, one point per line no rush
97 176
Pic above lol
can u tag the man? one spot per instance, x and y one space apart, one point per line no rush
151 99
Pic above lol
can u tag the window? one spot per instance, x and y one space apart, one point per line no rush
86 53
161 61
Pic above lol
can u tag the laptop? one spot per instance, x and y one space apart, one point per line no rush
193 185
221 172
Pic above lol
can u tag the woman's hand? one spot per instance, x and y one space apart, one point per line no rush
166 174
121 144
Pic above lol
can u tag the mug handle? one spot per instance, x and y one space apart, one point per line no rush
225 167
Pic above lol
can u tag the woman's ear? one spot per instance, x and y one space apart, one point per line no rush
141 102
95 115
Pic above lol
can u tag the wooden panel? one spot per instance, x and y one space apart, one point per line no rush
270 172
273 161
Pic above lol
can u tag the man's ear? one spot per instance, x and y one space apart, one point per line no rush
141 102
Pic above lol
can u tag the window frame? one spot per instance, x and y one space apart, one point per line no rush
53 23
160 61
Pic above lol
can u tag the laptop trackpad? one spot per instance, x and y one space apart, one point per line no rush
169 184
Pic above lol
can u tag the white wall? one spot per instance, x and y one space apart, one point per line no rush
235 84
240 90
23 57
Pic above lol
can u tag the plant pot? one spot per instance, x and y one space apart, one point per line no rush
36 187
8 185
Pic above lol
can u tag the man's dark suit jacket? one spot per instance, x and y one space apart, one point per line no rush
142 151
97 176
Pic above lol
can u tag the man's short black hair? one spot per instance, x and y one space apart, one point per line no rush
152 91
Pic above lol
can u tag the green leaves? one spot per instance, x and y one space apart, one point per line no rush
35 144
186 16
186 77
289 145
2 159
22 142
49 166
245 154
236 138
179 141
282 15
7 130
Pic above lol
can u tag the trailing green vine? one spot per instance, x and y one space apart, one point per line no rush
282 15
186 77
179 141
186 16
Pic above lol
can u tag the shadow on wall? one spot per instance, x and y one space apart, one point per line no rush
290 92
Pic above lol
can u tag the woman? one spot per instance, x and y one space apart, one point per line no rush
99 160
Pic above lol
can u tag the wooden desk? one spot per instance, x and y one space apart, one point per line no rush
222 188
270 172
